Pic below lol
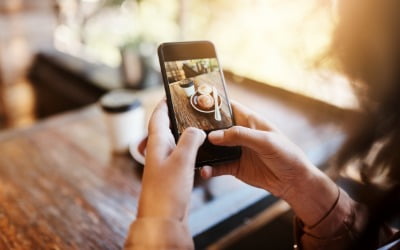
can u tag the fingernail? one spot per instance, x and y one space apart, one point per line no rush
216 136
196 131
204 135
205 172
200 131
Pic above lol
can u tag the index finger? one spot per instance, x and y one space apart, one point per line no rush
160 141
159 120
246 117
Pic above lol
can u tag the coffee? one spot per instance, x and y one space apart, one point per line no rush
124 117
188 86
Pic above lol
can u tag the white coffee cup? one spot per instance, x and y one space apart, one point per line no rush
188 86
124 117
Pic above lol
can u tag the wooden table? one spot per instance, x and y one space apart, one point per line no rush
61 188
187 116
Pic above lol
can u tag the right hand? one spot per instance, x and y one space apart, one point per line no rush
271 161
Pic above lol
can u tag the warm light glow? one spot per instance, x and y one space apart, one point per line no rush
272 41
277 42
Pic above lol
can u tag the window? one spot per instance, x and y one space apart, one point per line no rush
272 41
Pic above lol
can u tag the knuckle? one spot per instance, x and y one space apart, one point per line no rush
271 137
268 136
178 159
252 120
182 159
235 131
252 117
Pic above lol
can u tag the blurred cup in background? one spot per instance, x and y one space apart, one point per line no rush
124 117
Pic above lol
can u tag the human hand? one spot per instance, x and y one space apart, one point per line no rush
169 169
271 161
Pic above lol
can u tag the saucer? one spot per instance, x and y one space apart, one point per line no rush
193 102
137 150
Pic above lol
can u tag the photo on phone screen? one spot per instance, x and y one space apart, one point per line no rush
198 94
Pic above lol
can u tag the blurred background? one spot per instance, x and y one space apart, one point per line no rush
61 55
57 55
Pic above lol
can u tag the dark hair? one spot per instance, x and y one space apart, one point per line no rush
366 45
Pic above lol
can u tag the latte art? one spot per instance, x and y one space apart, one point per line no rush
205 102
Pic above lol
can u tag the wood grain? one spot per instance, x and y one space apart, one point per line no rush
61 188
59 181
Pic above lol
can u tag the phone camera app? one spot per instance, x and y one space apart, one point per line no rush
198 94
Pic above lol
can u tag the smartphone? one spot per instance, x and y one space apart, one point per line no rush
196 95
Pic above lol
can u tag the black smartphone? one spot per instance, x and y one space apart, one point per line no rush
196 95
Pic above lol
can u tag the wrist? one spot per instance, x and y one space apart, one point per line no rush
159 211
312 196
166 206
303 184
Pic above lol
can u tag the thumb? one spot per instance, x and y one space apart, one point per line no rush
188 145
230 168
239 136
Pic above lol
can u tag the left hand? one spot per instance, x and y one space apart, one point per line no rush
169 169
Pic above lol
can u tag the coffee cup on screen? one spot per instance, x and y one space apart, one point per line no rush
188 86
124 118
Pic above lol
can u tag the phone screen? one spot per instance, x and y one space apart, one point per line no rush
198 94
